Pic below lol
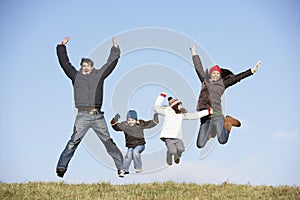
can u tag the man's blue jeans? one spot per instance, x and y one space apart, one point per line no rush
213 126
135 155
83 123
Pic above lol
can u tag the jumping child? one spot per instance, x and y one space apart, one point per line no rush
171 132
134 137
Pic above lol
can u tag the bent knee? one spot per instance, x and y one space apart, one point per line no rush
172 151
201 144
222 141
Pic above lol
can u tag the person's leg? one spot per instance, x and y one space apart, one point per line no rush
127 159
180 149
203 133
137 158
222 132
171 150
100 127
81 126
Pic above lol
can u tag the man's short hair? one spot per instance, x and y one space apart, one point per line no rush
87 60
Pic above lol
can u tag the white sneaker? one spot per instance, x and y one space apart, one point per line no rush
121 173
138 170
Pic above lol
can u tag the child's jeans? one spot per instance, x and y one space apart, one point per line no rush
135 155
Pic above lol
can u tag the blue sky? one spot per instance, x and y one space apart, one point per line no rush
37 108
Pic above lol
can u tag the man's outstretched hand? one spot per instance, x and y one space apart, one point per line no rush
255 68
113 39
65 41
193 49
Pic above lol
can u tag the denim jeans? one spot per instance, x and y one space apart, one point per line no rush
213 126
83 123
135 155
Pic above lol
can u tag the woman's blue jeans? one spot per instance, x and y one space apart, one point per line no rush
213 126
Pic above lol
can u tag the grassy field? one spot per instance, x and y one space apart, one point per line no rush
167 190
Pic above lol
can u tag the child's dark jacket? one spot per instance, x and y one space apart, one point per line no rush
134 135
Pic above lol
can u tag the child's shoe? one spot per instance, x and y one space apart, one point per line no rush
121 173
169 159
176 159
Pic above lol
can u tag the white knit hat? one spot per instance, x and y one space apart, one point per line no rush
173 102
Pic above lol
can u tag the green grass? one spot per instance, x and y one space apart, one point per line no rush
167 190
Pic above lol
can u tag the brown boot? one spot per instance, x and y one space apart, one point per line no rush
229 122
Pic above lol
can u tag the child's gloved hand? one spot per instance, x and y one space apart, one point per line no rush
255 68
193 49
155 118
117 117
163 94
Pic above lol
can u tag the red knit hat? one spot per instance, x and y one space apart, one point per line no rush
215 68
173 102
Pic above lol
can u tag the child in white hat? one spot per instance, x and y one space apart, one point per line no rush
171 132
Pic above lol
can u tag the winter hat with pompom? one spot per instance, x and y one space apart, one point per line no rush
173 102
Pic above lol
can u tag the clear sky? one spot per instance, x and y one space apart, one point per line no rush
37 107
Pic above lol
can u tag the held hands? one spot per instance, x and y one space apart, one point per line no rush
255 68
65 40
193 49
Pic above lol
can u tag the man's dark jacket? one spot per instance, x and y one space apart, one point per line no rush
88 89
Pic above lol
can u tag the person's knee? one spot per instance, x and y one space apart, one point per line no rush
222 141
129 155
201 144
109 143
172 151
73 143
135 154
180 151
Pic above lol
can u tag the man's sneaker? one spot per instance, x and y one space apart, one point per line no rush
138 170
121 173
176 159
126 173
60 172
169 159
